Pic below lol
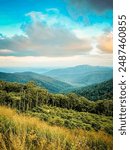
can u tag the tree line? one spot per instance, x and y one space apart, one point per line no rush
24 97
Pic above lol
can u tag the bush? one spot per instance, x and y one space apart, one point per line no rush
56 121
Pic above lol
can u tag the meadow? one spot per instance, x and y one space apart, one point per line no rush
21 132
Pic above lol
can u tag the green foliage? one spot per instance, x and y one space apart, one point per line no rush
72 119
72 122
6 125
27 96
70 110
101 91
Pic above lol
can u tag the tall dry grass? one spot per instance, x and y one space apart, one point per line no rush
21 132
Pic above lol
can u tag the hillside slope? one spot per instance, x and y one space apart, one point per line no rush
33 118
99 91
49 83
28 96
21 132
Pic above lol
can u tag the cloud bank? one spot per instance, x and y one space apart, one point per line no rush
44 38
46 35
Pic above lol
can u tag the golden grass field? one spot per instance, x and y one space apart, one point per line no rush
21 132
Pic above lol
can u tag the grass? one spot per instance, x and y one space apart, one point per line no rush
21 132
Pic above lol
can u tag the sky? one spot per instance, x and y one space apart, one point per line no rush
47 33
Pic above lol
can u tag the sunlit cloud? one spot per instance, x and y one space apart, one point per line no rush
45 40
105 43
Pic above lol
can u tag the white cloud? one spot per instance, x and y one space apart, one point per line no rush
5 51
36 16
93 31
46 39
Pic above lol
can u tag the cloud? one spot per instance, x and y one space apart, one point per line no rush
5 51
18 44
36 16
105 42
2 36
45 39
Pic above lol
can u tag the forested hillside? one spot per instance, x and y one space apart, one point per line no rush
45 120
28 96
49 83
101 91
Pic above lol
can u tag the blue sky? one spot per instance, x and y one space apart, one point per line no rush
48 31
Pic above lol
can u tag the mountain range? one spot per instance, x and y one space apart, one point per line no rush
82 75
64 79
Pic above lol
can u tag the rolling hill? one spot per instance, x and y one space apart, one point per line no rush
82 75
49 83
101 91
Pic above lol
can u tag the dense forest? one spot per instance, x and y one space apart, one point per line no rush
44 120
102 91
27 96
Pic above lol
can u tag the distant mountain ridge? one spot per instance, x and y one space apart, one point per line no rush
24 69
82 75
49 83
64 79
